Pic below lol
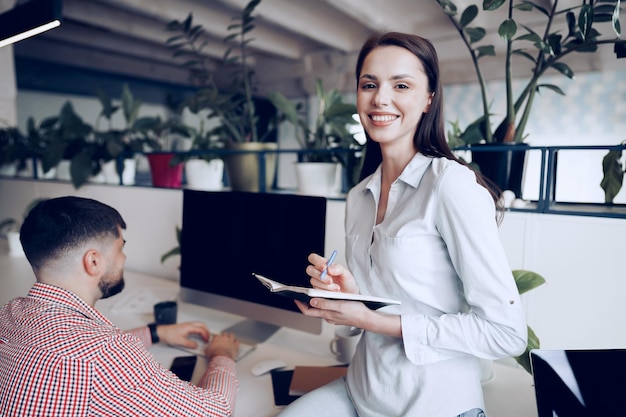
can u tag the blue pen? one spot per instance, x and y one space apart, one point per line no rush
329 263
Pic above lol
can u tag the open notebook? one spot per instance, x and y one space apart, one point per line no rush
579 383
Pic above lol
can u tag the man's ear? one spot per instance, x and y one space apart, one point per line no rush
93 262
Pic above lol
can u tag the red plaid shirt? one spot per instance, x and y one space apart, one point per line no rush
60 357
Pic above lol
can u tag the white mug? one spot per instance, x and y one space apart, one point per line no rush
344 343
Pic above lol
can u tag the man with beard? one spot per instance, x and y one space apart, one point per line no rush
60 356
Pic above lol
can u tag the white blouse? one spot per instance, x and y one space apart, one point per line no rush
438 251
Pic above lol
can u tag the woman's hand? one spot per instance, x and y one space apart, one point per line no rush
352 313
349 313
178 334
337 278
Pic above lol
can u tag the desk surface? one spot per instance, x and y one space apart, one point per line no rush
509 394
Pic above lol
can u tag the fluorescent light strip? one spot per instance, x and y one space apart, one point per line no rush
29 33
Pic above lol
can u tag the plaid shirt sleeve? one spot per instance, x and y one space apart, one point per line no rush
128 381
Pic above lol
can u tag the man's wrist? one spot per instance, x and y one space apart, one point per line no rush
154 335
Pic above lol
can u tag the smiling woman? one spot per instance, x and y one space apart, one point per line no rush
419 227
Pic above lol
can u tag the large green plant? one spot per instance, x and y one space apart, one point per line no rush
544 50
234 107
330 130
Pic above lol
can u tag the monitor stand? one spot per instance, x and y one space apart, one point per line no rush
252 332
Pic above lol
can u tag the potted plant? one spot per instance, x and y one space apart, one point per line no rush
120 145
10 229
163 137
176 249
613 170
330 141
70 147
203 163
14 151
526 281
235 107
577 34
38 142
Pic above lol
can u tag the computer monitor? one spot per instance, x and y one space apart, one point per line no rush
579 382
227 236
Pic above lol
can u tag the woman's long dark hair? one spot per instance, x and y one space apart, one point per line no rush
430 137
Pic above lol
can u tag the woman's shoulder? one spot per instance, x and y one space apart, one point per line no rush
451 170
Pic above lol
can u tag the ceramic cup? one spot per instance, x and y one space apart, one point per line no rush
344 343
165 312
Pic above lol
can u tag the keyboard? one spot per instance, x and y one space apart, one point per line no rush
244 348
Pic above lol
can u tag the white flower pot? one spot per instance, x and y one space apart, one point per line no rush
28 171
205 175
319 178
15 246
8 170
63 170
128 174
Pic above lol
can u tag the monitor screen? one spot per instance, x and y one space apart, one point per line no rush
227 236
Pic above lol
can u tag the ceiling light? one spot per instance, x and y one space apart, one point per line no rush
29 19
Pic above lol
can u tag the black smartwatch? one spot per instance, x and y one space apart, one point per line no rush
153 333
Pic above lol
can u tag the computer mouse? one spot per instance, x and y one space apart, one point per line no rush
265 366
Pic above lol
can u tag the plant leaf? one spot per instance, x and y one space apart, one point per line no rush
527 280
469 15
492 4
475 34
613 178
507 29
533 5
487 50
524 358
448 7
563 69
552 87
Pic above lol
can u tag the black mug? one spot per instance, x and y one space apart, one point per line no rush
165 312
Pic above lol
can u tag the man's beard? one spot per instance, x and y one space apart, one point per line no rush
109 288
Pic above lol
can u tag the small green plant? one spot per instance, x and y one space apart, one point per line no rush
526 281
175 250
613 170
68 137
12 224
330 130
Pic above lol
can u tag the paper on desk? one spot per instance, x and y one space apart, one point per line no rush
141 301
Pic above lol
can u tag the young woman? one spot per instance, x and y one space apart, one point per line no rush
421 229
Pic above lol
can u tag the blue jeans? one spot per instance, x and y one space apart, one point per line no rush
333 400
475 412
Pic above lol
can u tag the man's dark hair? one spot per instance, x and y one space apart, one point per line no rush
57 225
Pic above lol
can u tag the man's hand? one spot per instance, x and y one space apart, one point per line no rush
178 334
224 344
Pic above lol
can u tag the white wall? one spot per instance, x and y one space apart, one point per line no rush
582 258
151 216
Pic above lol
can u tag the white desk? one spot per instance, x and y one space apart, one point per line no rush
510 394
